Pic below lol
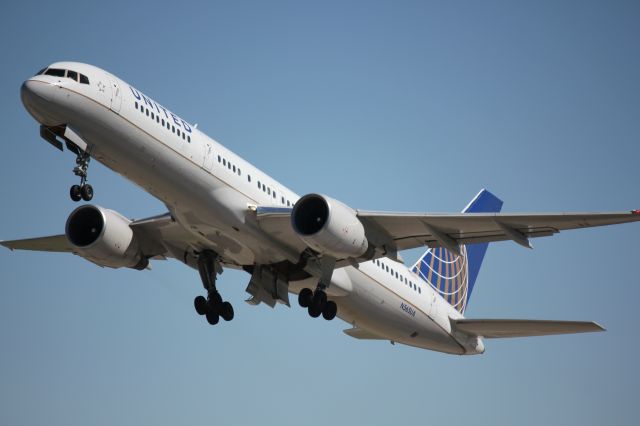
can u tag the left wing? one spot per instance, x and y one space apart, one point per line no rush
55 243
159 237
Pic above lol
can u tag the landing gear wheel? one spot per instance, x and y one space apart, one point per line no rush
215 299
226 311
75 193
318 302
86 192
213 318
314 312
304 297
330 310
200 303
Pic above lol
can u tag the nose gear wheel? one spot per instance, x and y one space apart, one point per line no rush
84 191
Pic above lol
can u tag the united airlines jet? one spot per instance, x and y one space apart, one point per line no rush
222 212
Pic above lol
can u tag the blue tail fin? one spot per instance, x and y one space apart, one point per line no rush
451 275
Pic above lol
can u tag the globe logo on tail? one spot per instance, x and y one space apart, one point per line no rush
447 273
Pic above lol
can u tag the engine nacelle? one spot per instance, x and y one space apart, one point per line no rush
328 226
104 237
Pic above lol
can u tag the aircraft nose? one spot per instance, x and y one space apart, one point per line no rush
36 97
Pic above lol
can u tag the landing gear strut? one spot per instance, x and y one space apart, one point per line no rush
212 307
83 191
316 303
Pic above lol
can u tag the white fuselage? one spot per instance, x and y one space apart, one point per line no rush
210 191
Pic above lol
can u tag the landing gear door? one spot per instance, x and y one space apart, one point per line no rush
116 94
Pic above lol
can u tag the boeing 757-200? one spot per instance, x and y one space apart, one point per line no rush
225 213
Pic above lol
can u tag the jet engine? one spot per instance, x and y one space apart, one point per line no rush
104 237
329 226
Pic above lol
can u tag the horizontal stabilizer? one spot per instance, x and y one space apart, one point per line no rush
499 328
56 243
361 333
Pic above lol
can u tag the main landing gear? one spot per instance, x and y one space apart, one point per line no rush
83 191
212 307
316 302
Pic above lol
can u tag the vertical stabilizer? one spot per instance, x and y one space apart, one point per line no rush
452 275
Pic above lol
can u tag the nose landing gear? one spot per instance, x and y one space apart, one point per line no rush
83 191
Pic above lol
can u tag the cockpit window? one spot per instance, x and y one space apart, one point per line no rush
56 72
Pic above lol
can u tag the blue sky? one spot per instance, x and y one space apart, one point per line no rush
410 106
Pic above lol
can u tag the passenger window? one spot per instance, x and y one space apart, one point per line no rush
157 119
147 111
269 191
173 129
224 162
153 117
84 79
136 105
259 185
288 203
282 200
234 169
72 75
168 126
248 178
56 72
189 139
419 290
239 172
178 132
219 159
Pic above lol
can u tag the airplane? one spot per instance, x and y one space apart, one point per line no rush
223 212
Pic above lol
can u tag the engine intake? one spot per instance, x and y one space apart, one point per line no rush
329 226
104 237
85 226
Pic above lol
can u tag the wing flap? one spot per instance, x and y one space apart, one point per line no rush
502 328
